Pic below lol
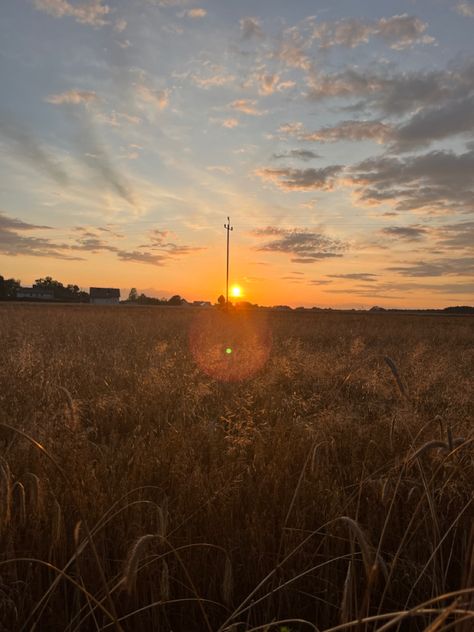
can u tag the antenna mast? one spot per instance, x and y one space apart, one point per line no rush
228 228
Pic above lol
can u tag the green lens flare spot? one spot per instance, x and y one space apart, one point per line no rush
228 350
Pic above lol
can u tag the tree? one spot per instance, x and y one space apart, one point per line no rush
8 288
175 300
133 295
221 300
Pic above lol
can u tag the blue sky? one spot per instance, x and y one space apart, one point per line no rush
338 137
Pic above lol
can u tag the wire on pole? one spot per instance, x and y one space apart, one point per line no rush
228 228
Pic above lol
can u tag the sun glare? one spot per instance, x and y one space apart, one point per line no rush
236 291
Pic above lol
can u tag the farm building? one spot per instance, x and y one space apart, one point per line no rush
104 295
34 294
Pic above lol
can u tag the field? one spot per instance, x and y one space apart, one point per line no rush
181 470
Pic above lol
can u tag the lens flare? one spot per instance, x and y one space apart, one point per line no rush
230 346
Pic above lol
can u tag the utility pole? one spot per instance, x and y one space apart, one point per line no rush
228 228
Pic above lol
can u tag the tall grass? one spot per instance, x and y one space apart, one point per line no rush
330 490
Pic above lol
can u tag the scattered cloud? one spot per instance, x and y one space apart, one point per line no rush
230 123
72 97
92 12
250 28
290 179
465 8
407 233
246 106
120 25
137 256
194 14
461 266
438 181
14 242
355 276
305 246
298 154
454 117
394 93
343 131
159 99
398 31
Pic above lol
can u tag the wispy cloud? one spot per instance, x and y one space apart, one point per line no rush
246 106
72 97
465 8
27 148
398 31
92 12
194 14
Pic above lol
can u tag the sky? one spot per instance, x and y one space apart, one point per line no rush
338 136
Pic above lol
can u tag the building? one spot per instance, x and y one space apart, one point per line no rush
104 295
202 304
34 294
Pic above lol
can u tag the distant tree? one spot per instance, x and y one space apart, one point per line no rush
221 300
8 288
175 300
68 293
133 295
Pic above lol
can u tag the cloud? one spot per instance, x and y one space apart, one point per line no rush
465 8
436 123
355 276
72 97
407 233
158 241
305 246
159 99
458 236
91 12
230 123
438 181
246 106
27 148
250 28
137 256
13 242
193 14
220 78
347 131
268 83
461 266
398 31
298 154
120 25
394 93
301 179
11 223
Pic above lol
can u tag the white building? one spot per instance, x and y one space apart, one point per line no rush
34 294
104 295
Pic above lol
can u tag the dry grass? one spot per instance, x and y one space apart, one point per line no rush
330 490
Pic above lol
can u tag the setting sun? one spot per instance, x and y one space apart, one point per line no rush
236 291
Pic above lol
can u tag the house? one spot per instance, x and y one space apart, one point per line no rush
104 295
34 294
202 304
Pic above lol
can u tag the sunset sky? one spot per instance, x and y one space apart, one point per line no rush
338 136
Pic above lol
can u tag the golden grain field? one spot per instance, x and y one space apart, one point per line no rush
184 470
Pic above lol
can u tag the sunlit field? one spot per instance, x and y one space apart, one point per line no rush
184 469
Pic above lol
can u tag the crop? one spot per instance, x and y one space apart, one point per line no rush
320 480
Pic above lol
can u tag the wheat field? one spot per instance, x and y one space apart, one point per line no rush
180 470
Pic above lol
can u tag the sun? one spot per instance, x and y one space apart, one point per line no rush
236 291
